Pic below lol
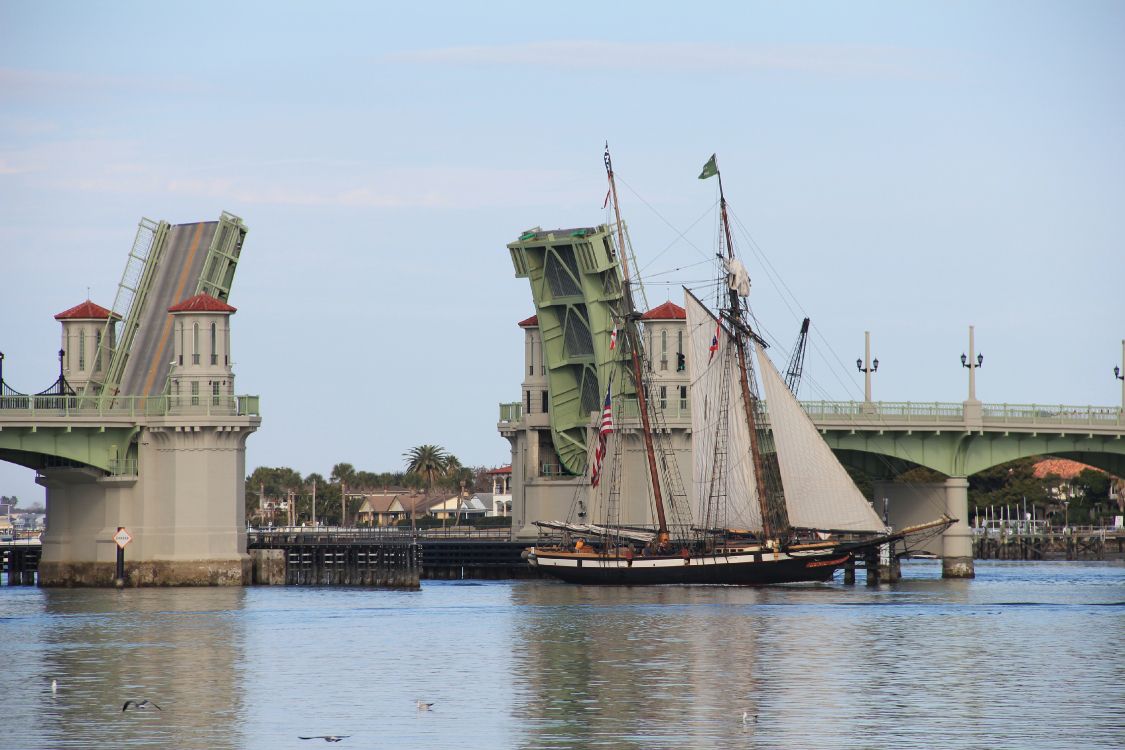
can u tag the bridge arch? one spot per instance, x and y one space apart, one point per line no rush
964 453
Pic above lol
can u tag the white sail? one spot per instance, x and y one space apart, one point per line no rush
819 493
728 497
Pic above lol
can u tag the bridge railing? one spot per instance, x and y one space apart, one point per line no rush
129 406
937 412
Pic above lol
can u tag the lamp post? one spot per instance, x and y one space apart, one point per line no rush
967 361
1116 373
867 366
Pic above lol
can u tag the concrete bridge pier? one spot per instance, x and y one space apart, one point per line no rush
184 508
957 542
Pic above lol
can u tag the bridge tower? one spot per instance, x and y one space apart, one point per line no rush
82 329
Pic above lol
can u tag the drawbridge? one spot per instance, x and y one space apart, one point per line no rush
167 264
575 277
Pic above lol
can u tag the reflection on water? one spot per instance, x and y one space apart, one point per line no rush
1026 655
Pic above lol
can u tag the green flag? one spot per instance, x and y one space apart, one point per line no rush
710 169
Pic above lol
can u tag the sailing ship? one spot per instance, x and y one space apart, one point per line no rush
772 502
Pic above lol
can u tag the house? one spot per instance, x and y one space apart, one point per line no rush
388 506
501 491
1067 471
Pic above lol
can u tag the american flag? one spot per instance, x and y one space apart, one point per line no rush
603 434
714 343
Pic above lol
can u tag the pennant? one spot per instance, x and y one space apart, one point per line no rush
606 201
710 169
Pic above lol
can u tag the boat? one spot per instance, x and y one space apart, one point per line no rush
772 504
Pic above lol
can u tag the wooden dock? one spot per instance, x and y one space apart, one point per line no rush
1077 543
20 560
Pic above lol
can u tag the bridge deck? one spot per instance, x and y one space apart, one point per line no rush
176 277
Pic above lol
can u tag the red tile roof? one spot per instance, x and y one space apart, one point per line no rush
1060 467
86 311
668 311
501 470
202 302
531 322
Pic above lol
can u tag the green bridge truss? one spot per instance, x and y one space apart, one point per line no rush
576 283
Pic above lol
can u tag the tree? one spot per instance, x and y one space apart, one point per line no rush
427 461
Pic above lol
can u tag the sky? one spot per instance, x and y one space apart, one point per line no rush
908 169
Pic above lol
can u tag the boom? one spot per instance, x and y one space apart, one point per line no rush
797 360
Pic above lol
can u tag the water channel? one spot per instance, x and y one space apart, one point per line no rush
1027 655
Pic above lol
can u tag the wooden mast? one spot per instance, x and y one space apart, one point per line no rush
737 326
634 348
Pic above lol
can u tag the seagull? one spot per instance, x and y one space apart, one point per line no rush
54 686
327 737
423 705
140 705
748 718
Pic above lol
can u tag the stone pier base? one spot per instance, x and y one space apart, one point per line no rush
269 566
957 567
235 572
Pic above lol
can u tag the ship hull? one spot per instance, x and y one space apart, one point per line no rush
737 570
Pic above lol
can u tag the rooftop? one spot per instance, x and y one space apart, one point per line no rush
202 302
87 311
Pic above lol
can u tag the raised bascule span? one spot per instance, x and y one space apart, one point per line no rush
168 264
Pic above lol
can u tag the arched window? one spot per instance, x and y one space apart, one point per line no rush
214 348
97 351
664 349
181 360
195 345
82 350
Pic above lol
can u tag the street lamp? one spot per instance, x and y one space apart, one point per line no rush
1116 373
967 361
867 366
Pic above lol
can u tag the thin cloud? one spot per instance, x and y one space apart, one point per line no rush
675 56
37 83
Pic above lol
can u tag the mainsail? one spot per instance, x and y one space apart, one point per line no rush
723 467
819 493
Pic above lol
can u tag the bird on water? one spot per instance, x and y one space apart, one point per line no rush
423 705
327 737
144 705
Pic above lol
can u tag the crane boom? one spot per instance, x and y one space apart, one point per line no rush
797 360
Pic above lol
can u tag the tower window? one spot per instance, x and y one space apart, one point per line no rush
195 393
214 349
215 393
543 400
98 351
82 350
195 344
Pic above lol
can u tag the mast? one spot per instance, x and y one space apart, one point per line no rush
737 328
634 348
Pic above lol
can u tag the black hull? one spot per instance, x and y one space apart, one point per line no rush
754 573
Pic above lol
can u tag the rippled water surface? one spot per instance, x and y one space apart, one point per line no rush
1027 655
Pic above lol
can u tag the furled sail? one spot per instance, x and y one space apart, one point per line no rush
723 467
819 493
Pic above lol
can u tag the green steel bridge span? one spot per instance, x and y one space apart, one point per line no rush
956 439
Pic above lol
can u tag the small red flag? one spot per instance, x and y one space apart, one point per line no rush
606 201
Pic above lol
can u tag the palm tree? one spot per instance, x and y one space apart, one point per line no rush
427 461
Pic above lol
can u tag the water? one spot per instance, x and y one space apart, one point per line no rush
1028 655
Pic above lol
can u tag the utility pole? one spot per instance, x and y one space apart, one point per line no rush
314 504
343 503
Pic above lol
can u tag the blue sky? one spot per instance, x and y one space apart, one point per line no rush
904 168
